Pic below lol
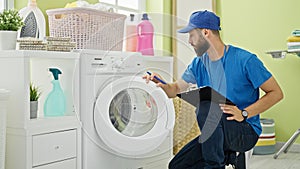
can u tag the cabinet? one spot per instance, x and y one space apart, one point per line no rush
44 142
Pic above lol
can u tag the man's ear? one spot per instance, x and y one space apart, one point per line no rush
205 31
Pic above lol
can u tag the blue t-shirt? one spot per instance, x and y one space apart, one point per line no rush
237 75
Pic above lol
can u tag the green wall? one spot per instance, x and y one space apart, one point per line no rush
260 26
162 21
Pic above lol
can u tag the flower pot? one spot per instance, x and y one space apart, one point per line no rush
33 109
8 40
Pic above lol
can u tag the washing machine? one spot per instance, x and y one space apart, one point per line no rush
126 122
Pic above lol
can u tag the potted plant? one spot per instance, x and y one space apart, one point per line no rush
10 23
34 96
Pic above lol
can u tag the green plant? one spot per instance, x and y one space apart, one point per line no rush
34 93
10 20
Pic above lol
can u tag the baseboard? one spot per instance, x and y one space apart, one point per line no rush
294 148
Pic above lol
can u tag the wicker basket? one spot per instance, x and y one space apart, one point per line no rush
89 28
186 126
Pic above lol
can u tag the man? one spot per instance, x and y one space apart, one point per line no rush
236 74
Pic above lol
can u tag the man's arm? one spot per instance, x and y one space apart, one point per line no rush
273 94
172 89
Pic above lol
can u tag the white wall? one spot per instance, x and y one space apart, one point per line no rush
184 52
6 4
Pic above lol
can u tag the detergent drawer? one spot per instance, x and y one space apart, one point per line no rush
52 147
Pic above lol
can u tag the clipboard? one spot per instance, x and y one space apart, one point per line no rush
194 97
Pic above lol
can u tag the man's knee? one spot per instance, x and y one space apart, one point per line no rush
172 165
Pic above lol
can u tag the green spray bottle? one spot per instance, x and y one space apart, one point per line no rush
55 104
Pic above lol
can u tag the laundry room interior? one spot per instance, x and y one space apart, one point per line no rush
88 84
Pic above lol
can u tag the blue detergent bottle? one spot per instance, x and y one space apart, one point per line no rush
55 104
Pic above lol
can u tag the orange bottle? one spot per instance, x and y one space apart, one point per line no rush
131 34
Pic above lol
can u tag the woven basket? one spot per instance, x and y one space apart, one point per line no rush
89 28
186 126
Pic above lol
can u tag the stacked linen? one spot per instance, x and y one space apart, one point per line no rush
31 44
62 44
293 42
296 33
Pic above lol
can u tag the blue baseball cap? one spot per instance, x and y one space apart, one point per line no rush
202 19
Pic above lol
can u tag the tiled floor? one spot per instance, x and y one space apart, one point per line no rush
290 160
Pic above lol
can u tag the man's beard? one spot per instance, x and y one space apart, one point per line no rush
202 45
202 48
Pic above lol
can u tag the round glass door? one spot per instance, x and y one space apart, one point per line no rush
132 117
133 112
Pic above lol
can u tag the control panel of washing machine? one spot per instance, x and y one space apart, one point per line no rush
122 62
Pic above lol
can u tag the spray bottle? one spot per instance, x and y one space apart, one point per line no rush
34 21
55 104
145 36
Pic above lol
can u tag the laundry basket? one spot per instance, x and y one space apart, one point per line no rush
89 28
4 94
186 126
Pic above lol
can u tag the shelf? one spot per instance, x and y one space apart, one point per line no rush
282 53
38 54
46 121
19 68
50 55
46 125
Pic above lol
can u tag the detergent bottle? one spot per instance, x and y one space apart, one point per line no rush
131 35
34 22
55 104
145 36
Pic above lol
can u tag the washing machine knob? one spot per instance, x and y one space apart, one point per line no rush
118 64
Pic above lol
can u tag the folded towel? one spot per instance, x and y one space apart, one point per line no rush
293 39
296 33
293 46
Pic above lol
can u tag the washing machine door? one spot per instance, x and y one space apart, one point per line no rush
132 117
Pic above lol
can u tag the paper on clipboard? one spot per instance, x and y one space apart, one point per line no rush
204 93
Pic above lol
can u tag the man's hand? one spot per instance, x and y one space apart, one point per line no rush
232 110
153 77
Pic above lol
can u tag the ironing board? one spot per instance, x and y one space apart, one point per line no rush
288 144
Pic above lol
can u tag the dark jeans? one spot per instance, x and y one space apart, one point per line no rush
219 138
